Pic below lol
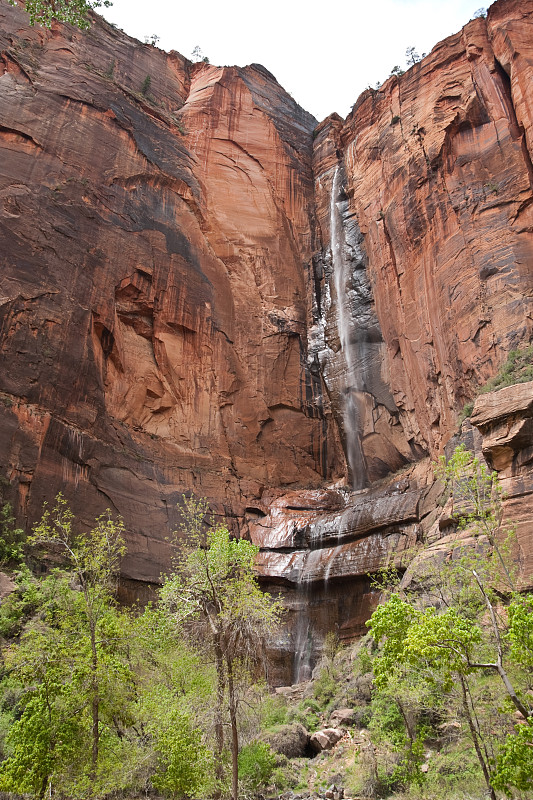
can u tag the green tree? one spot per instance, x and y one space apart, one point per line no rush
75 12
213 593
176 692
469 634
11 538
71 664
411 56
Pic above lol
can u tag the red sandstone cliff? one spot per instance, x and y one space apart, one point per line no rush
437 174
156 224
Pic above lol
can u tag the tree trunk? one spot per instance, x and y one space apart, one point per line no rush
219 727
95 707
410 731
234 731
475 739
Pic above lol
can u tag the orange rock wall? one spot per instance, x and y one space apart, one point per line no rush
156 220
438 176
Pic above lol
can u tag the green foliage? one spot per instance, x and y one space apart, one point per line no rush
466 412
52 663
466 645
20 604
184 761
70 662
11 538
256 764
517 369
477 502
216 584
396 70
411 56
325 687
515 763
307 713
213 596
75 12
147 83
97 700
520 631
274 712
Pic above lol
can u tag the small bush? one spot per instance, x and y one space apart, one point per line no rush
147 83
17 607
11 538
517 369
325 687
256 764
274 712
466 412
307 714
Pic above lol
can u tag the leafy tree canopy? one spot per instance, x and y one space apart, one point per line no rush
75 12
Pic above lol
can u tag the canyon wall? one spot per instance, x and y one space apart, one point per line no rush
204 291
157 229
424 284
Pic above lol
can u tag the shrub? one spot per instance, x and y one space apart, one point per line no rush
517 369
11 538
274 712
256 764
307 713
325 687
145 88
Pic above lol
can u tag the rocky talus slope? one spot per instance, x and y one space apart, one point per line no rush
203 290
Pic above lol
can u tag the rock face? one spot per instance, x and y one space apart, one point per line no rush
203 291
505 422
432 173
156 224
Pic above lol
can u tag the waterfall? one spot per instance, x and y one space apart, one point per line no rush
303 644
351 381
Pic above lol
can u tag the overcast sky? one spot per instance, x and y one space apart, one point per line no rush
324 53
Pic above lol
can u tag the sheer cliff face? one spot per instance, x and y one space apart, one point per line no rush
197 294
437 176
156 224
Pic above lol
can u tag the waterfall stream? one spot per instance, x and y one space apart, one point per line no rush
350 383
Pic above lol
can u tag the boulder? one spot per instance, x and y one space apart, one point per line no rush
325 739
291 740
342 718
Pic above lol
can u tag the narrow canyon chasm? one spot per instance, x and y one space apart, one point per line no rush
204 290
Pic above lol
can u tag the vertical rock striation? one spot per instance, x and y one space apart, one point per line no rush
438 180
156 222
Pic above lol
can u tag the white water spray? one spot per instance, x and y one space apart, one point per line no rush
350 383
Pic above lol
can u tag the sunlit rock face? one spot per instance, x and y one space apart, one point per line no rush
204 291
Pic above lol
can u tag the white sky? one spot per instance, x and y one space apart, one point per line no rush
323 54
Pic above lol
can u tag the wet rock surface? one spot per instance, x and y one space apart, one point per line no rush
436 175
